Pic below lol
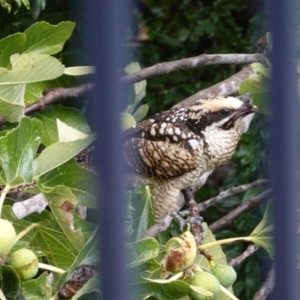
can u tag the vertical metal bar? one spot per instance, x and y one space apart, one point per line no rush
285 151
107 22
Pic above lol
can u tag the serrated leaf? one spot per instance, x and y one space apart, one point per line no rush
79 71
17 152
262 235
37 289
142 250
78 180
57 154
44 38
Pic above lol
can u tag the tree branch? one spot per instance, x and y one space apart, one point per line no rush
191 62
267 287
242 208
224 88
54 95
249 251
230 192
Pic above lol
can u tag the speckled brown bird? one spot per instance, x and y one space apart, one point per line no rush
171 150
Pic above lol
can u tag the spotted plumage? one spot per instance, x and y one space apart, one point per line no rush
174 148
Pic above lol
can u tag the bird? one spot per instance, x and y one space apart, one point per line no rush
174 148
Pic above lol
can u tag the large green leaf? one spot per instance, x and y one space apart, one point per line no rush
62 203
37 289
41 38
17 152
31 67
44 38
26 68
262 235
70 116
47 238
9 46
10 282
142 251
77 179
57 154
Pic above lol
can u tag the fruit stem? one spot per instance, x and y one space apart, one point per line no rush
222 242
227 293
51 268
2 197
26 230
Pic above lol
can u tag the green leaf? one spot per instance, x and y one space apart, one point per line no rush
169 290
77 179
79 71
57 154
62 202
37 289
26 68
141 112
9 46
142 250
142 213
262 234
254 84
88 255
10 282
18 151
48 238
44 38
70 116
31 67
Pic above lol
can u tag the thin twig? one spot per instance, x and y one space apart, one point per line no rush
267 286
249 251
230 192
194 214
242 208
224 194
191 62
54 95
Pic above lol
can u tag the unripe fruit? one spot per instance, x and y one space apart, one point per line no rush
206 281
25 262
7 236
225 274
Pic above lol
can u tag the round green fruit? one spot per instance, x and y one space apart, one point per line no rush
7 236
225 274
207 281
25 262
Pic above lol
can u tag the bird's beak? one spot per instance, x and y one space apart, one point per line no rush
245 110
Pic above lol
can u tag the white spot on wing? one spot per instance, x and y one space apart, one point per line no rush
193 143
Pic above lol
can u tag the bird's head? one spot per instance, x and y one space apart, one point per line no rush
220 113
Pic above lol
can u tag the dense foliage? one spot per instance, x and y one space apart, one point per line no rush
164 31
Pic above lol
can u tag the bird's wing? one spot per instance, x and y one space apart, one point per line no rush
162 150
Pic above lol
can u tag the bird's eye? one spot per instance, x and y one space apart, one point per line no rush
225 111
